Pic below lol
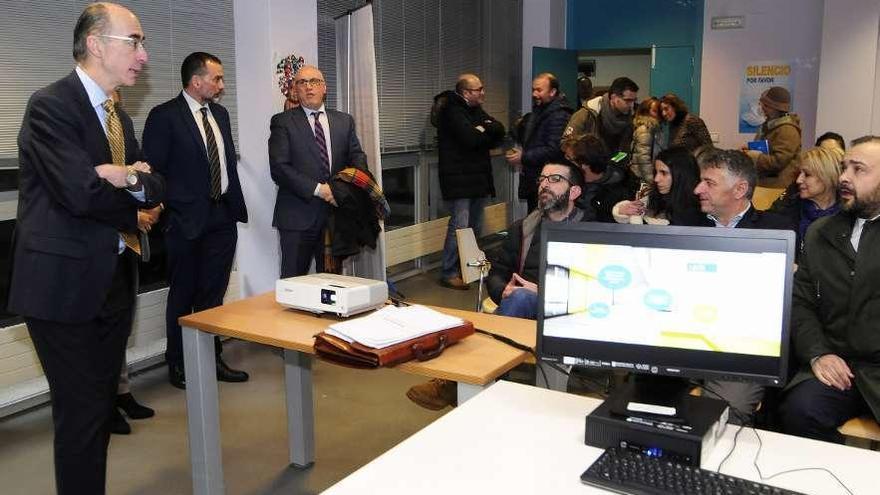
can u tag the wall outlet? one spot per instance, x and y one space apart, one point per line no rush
716 137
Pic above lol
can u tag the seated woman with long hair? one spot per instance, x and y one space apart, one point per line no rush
813 194
671 200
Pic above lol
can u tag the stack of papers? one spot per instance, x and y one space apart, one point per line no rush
392 325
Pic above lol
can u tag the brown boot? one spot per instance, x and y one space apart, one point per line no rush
434 394
454 283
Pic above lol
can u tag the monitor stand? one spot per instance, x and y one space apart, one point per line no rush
655 397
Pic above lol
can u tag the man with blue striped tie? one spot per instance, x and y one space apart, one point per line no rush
307 146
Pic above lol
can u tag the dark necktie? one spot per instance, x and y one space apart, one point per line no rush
116 140
213 155
322 143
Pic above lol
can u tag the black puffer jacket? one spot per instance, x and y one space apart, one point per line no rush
464 164
541 142
598 198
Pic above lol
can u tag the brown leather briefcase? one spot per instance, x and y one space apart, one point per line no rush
352 354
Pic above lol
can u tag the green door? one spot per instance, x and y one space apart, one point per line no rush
562 63
672 71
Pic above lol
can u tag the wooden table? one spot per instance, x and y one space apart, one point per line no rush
473 363
515 438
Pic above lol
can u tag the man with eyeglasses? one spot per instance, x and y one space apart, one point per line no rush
307 146
74 278
465 134
513 279
188 139
608 116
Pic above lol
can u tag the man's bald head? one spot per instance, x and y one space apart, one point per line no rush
470 88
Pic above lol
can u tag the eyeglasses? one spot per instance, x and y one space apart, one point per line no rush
552 178
134 43
475 90
309 82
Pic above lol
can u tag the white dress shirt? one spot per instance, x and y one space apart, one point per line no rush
195 109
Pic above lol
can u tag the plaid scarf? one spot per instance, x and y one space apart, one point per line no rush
363 179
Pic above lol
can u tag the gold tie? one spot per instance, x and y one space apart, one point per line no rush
117 150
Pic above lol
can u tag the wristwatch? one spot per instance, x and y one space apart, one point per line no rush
132 178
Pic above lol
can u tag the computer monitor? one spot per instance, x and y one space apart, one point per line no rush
690 302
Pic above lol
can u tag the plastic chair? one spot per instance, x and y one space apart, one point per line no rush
474 265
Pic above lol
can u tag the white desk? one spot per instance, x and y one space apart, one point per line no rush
514 438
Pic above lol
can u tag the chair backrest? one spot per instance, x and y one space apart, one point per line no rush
468 251
764 197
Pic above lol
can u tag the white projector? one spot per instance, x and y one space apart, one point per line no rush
330 293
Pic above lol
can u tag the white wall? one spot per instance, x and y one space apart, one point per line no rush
265 31
848 101
774 30
543 24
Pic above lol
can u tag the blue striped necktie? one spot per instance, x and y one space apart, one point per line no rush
322 142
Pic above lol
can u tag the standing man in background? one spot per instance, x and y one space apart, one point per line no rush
608 116
465 134
541 139
74 272
307 145
189 141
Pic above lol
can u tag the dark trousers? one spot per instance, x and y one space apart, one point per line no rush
814 410
81 362
299 248
198 274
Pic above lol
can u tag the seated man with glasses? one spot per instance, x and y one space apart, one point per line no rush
512 281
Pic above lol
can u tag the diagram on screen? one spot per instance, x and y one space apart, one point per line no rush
688 299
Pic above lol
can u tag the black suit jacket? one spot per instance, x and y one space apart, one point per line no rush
756 219
295 164
67 234
174 147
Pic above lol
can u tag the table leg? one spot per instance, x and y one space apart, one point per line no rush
300 408
202 412
466 391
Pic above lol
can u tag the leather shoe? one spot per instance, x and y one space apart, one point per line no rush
454 283
227 374
176 376
434 394
118 425
132 408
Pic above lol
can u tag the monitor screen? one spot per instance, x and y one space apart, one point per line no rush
695 302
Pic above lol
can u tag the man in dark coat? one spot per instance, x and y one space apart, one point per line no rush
465 134
542 135
74 275
835 303
727 182
606 183
188 139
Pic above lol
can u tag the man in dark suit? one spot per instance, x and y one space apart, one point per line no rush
727 182
307 145
74 267
189 141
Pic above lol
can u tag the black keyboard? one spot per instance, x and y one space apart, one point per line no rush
630 471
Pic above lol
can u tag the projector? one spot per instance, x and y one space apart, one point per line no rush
330 293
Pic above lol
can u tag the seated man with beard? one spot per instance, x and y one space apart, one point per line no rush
512 281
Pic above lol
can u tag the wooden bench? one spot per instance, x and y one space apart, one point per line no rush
862 430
